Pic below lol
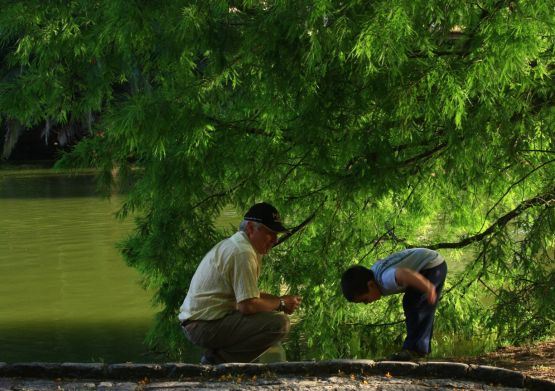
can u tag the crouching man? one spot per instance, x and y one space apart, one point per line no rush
224 312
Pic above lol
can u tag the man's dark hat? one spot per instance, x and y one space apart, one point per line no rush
266 214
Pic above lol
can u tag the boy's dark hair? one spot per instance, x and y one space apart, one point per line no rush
354 281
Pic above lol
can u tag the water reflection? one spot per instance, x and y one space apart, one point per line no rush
75 341
66 294
46 185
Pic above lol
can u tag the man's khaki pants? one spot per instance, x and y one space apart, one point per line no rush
238 337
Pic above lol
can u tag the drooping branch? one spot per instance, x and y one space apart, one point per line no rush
374 325
220 194
516 183
424 155
293 168
294 230
403 147
542 199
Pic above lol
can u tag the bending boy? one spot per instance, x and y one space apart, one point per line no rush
419 273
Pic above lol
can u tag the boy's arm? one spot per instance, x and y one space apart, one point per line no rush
407 277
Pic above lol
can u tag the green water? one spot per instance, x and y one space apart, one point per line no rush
66 295
65 292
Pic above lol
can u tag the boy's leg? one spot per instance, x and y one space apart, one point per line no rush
238 337
419 314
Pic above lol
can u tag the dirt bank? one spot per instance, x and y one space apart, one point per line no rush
536 360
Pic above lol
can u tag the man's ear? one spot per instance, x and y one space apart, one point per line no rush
371 285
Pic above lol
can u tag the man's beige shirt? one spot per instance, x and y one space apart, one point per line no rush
227 275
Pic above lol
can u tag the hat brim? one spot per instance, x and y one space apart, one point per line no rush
276 227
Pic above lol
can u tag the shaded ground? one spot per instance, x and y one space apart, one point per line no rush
308 375
536 360
332 383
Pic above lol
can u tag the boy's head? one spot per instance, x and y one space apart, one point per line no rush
359 286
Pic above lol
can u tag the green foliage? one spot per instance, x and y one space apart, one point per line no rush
385 124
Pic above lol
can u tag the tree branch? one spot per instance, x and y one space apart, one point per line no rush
543 199
376 324
222 193
516 183
424 155
294 230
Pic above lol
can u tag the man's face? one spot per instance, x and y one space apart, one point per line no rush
372 295
261 238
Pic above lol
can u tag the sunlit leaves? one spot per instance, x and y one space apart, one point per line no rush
391 123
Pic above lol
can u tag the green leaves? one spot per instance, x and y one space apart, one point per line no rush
385 124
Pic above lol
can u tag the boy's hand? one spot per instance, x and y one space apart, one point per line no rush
432 294
407 277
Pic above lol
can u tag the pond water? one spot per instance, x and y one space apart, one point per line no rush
65 293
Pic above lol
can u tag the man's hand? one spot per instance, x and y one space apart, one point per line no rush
292 302
267 302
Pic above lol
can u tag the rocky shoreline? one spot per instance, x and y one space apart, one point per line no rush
313 375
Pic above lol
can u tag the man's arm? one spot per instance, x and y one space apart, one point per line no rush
267 303
407 277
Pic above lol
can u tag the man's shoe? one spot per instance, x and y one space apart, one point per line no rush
204 360
406 355
211 357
